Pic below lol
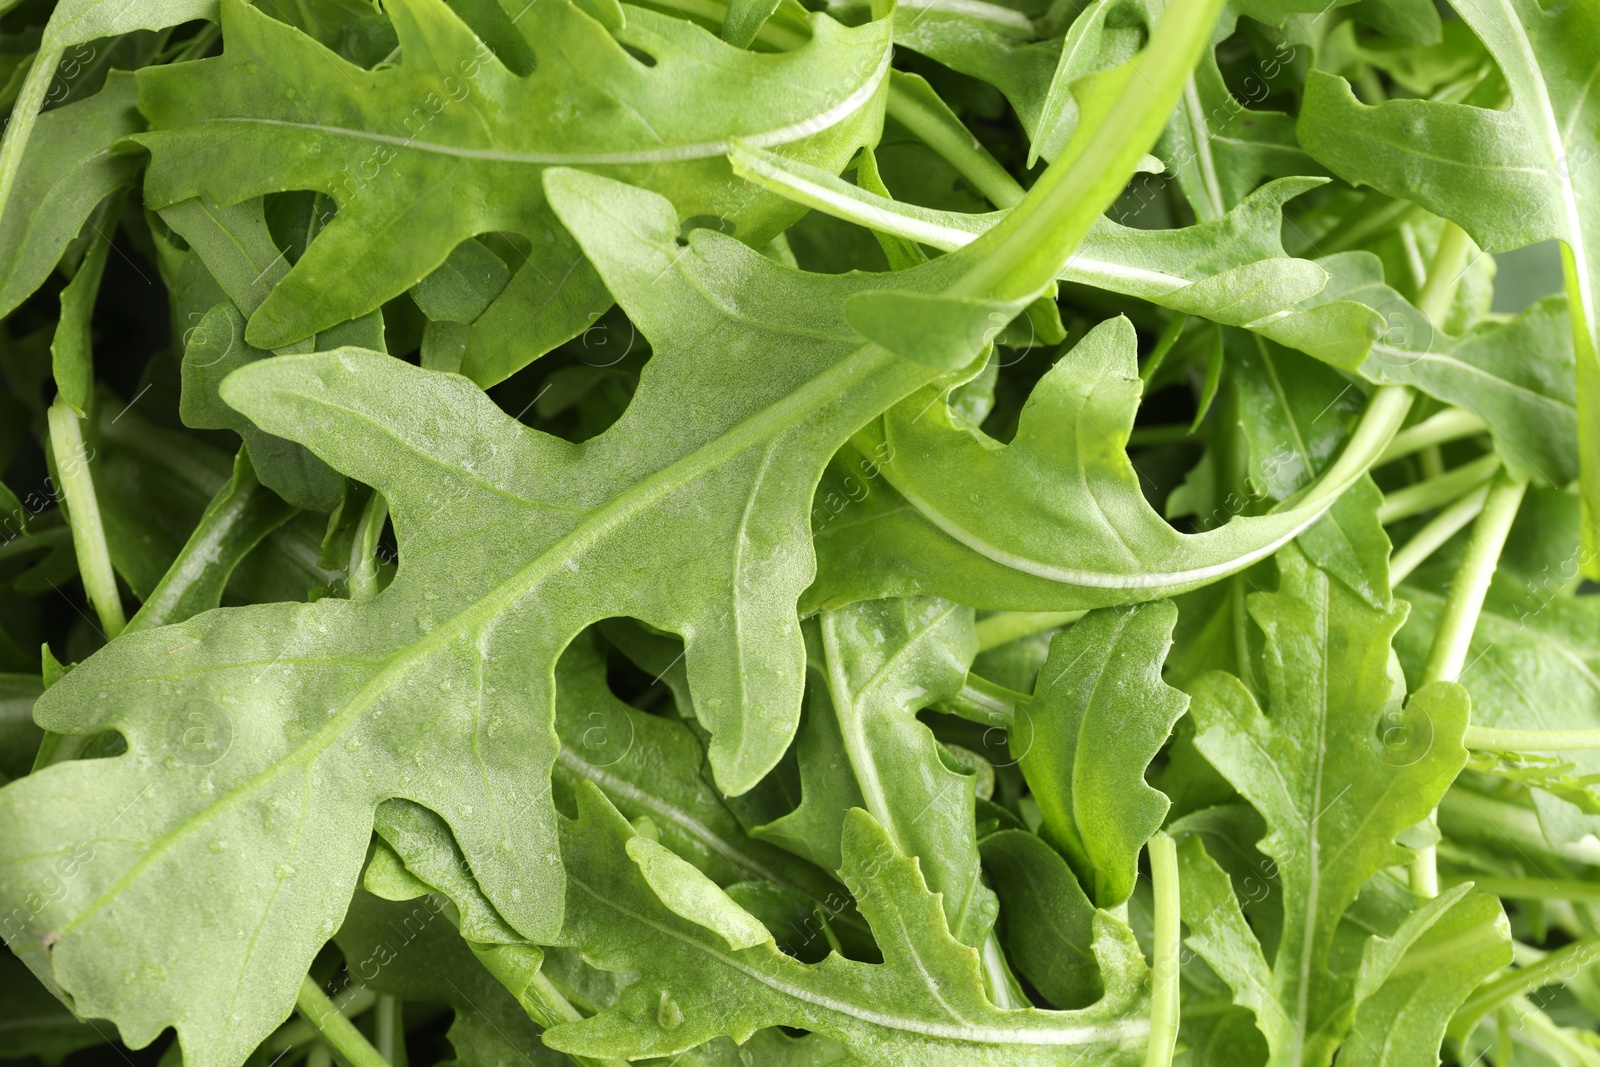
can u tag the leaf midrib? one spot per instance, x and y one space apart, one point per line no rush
773 420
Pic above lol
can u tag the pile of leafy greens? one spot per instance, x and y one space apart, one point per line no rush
800 532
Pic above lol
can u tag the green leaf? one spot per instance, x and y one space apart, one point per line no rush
479 137
1232 269
1048 921
349 727
1461 941
651 767
1098 717
1340 766
1054 521
1518 375
875 666
410 949
924 1003
70 170
1509 177
936 331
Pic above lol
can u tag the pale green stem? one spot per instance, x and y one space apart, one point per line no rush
1558 968
83 510
1452 424
1444 275
1436 492
363 568
1439 529
1490 739
1164 345
1459 619
957 147
297 1032
1025 252
983 702
1461 609
319 1056
24 113
388 1026
1164 1004
1004 627
338 1031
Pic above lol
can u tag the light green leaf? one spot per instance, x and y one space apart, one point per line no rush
1532 665
1465 939
924 1003
1220 935
477 137
936 331
652 767
1099 715
1232 270
1054 521
69 171
875 665
334 733
1509 177
1339 768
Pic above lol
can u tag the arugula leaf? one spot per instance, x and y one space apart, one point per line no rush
1339 768
945 512
1232 269
1098 717
925 1001
470 129
875 665
1049 922
71 170
1509 177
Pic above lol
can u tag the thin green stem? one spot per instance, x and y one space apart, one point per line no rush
1164 344
24 114
1535 888
983 702
1450 261
1004 627
83 511
388 1027
340 1033
319 1056
1437 492
1440 429
1164 1004
935 126
1453 637
1490 739
1439 529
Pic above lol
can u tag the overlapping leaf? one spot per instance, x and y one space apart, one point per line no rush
1339 764
1054 521
923 1004
1509 177
451 143
1232 269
